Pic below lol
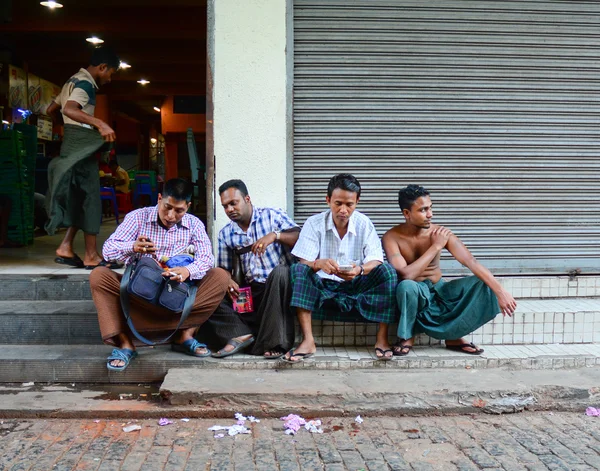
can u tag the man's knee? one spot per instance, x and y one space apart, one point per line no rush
280 274
99 276
300 270
386 271
407 288
218 276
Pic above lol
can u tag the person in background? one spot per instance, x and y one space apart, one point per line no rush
121 177
73 199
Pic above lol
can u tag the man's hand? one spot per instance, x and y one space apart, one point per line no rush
106 132
440 236
177 273
349 275
328 265
233 290
507 303
144 245
259 247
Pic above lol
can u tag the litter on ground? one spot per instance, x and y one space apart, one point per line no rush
131 428
592 412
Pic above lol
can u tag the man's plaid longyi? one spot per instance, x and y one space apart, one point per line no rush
368 297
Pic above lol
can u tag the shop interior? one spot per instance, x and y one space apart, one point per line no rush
156 102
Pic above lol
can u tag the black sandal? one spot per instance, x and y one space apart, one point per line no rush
462 346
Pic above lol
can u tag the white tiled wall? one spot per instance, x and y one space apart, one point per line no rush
552 286
574 318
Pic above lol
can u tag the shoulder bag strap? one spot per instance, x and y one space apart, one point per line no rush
187 308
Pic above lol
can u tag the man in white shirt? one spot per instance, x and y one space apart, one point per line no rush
341 275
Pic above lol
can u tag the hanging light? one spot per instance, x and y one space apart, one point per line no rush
124 65
94 40
157 109
143 82
51 5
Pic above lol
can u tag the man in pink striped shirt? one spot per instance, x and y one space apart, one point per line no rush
164 230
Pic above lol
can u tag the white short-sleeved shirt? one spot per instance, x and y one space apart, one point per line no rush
80 88
319 238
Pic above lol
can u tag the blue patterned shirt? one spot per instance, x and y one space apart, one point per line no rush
263 222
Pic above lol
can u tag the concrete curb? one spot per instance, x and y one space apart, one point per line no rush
342 394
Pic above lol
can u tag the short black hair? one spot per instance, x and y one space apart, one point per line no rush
178 189
237 184
407 196
105 55
344 181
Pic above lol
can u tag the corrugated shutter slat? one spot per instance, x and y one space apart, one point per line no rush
494 106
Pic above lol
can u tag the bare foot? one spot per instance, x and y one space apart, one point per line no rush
403 347
227 348
124 343
92 261
383 350
306 347
274 353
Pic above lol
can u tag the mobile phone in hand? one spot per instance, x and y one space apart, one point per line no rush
345 268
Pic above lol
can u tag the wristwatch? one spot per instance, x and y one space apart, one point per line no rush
277 234
362 271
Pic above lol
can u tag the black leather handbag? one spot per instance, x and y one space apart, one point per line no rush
237 270
143 279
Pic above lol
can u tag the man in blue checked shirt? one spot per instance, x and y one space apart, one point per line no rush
268 235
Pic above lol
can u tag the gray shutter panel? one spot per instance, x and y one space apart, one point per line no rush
493 106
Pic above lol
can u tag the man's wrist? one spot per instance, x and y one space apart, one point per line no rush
362 270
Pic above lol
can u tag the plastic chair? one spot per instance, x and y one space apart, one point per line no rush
145 184
108 193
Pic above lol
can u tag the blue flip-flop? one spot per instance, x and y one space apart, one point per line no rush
189 348
123 354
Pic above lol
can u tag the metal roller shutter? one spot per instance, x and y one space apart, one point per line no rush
494 106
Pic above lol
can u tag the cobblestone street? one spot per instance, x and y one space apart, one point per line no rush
528 441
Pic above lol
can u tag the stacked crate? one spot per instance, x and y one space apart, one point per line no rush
17 167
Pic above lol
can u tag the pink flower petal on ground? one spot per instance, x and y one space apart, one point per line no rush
592 412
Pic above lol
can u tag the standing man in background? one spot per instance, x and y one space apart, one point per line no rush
73 199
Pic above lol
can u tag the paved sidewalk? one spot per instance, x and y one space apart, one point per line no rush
524 442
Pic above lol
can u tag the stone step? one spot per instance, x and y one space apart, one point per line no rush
49 322
51 287
536 321
86 363
74 285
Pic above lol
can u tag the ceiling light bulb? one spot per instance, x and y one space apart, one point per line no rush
143 82
51 5
5 122
94 40
153 140
157 109
124 65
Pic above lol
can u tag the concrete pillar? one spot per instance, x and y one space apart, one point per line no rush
250 73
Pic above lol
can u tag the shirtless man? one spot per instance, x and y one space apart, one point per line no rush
428 304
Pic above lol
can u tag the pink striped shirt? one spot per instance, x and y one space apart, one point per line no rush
144 221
